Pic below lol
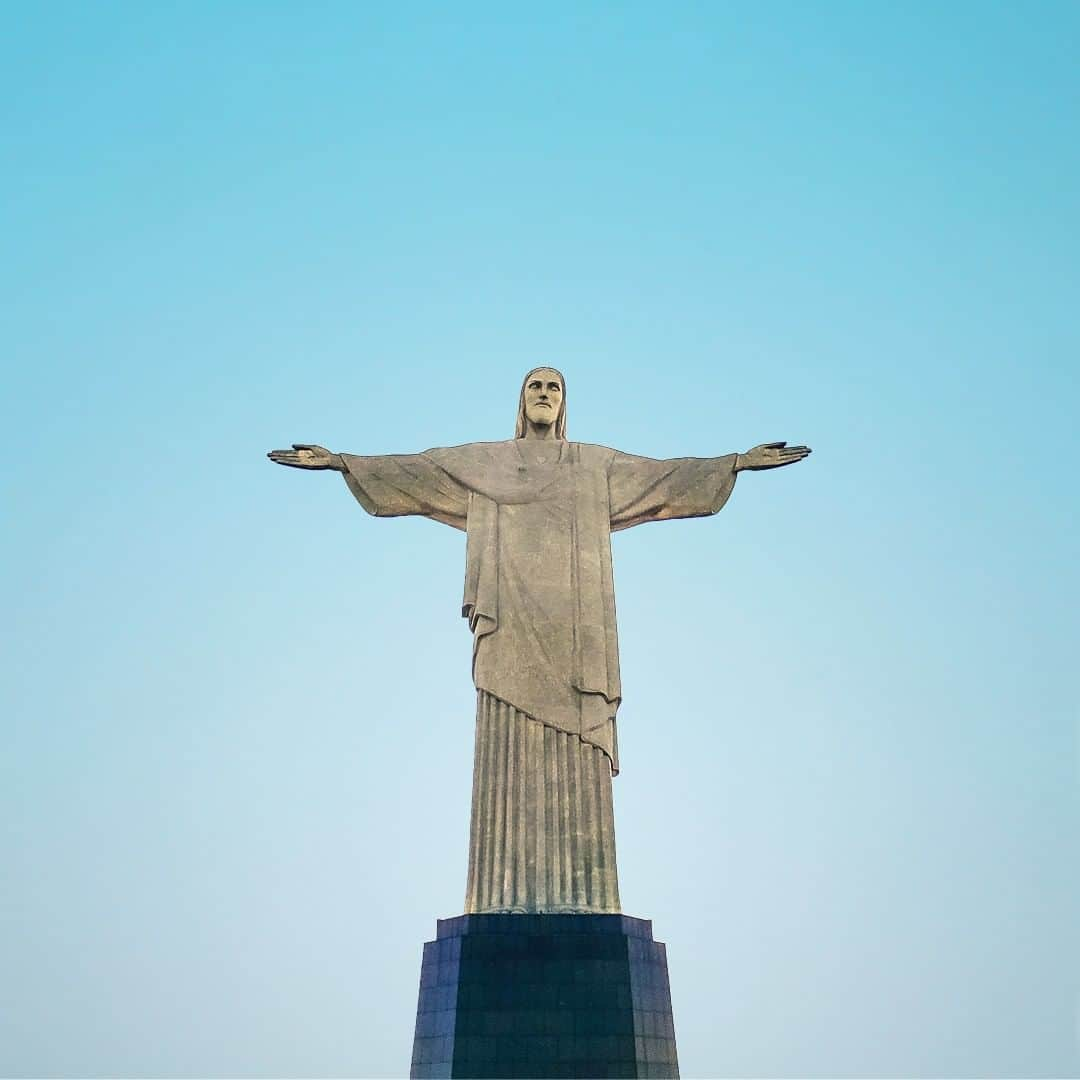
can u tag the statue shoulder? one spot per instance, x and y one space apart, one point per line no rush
474 451
593 455
476 465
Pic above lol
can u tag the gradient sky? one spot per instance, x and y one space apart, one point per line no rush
236 711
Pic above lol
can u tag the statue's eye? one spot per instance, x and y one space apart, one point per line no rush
534 386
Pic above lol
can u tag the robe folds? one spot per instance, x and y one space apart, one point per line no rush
539 592
540 601
542 830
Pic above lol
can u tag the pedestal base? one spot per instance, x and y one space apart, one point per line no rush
544 996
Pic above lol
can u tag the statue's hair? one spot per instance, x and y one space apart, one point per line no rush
560 421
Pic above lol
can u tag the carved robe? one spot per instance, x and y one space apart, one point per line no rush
540 601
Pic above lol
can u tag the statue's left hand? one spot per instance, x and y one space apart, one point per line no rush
770 455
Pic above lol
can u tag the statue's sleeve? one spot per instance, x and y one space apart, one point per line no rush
394 485
644 489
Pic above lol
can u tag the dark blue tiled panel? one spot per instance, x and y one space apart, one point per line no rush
544 996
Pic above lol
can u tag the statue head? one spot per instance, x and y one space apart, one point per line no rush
542 402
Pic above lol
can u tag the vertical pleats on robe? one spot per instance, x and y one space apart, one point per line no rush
542 836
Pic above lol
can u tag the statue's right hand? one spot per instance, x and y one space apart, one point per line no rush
306 456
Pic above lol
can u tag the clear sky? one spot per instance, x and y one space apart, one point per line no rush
236 711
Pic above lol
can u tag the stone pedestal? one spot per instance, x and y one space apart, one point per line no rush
544 996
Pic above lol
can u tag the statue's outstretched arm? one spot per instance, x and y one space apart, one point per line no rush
770 455
308 456
389 485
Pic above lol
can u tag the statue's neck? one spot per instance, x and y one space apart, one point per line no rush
540 431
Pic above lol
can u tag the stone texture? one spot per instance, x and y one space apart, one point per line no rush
544 996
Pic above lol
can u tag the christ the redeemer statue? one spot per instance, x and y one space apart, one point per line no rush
538 512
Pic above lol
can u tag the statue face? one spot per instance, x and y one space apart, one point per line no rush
543 397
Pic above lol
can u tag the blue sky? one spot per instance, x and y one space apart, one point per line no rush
237 717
